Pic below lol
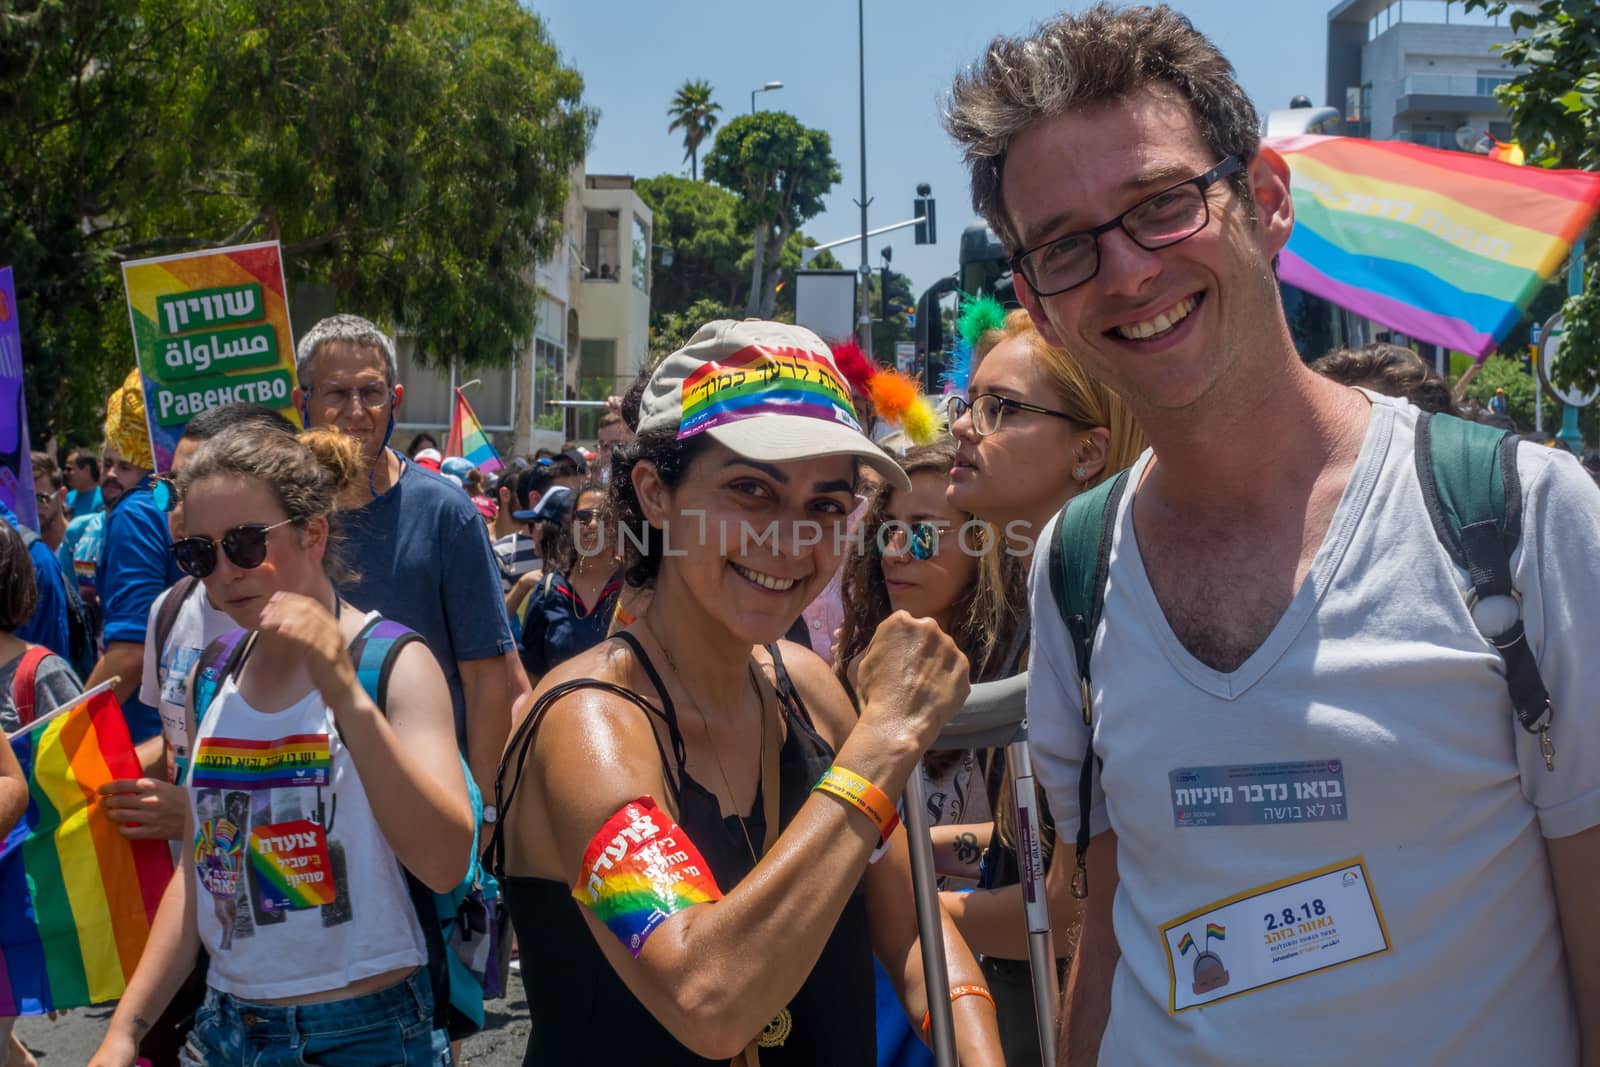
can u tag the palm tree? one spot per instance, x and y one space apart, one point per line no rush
694 113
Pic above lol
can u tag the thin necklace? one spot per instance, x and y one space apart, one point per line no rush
706 729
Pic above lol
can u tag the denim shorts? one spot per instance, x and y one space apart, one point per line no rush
390 1028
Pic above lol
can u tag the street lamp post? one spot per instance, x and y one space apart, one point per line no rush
767 88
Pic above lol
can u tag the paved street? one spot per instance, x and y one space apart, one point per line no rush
72 1039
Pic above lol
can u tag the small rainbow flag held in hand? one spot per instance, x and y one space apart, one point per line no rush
1446 247
1215 932
467 438
76 897
1186 944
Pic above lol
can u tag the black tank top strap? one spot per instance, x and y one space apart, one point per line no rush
668 713
516 752
793 706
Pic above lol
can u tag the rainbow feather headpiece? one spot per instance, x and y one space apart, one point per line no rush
979 315
895 396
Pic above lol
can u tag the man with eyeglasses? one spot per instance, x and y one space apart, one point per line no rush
1284 647
418 546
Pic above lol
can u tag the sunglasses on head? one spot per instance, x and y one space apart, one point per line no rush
922 539
245 546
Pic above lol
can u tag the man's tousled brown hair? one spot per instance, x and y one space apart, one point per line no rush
1076 61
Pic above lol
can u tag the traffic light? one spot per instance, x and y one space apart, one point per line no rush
923 208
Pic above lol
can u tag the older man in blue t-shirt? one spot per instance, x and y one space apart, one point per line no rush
419 548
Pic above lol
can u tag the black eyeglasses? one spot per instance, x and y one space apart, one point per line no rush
246 547
987 408
1158 221
586 515
922 539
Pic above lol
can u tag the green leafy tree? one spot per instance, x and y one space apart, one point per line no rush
1554 106
674 328
711 248
411 153
780 170
695 113
699 222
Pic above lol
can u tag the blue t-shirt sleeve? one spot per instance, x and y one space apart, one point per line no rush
137 567
48 626
472 589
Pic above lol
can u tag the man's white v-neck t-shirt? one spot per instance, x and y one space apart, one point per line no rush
1336 853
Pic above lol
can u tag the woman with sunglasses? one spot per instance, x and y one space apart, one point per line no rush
920 555
306 798
1035 432
571 607
690 811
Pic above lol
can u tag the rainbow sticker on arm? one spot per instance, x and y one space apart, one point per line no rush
640 869
764 380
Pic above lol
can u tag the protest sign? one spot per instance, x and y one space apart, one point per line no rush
16 463
209 328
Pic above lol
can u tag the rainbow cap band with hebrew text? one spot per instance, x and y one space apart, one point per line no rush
767 391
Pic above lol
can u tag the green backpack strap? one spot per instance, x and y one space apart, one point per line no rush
1080 561
1469 481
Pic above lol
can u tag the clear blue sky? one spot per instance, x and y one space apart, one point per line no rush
634 54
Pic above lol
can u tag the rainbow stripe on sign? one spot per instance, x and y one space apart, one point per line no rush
1185 945
762 380
640 869
76 897
282 763
1446 247
1215 932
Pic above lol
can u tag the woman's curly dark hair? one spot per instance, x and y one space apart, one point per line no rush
642 544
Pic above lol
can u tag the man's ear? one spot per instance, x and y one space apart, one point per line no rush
1269 185
399 394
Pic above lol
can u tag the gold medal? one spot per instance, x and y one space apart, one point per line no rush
777 1031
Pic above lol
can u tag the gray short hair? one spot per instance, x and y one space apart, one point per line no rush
1077 61
352 328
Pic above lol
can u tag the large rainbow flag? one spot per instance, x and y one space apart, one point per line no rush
76 897
467 438
1446 247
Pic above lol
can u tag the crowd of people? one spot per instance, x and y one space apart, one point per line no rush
672 690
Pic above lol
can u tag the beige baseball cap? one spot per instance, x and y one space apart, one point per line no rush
767 391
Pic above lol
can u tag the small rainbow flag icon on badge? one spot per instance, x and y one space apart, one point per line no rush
1186 944
1213 931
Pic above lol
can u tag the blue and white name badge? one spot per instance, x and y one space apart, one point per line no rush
1273 934
1259 794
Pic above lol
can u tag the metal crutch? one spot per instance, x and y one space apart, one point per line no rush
994 716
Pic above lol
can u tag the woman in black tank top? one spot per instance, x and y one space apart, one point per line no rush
681 892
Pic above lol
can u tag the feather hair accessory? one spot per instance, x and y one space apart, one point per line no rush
979 315
894 395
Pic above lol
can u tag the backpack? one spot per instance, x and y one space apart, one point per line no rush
80 651
458 927
1469 482
177 596
24 682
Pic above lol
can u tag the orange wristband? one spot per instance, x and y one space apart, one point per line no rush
862 795
956 993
